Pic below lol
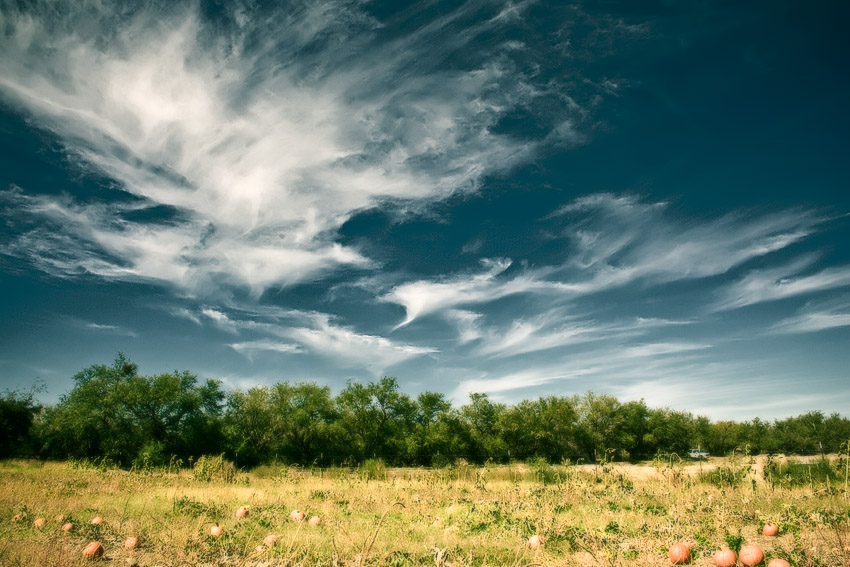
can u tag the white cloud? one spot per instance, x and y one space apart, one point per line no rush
266 137
779 283
812 319
616 241
423 297
620 239
309 333
350 348
607 363
112 329
249 347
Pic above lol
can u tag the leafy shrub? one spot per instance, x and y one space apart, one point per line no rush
726 476
373 469
208 468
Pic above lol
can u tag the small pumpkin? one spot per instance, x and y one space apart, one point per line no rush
67 527
725 558
94 550
241 512
679 553
314 520
536 541
777 562
131 542
216 530
296 515
96 521
39 523
751 555
770 530
270 540
16 518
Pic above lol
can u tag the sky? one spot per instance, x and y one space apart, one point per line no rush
647 199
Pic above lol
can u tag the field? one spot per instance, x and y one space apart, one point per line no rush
589 515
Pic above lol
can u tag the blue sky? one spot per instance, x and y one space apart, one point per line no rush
644 199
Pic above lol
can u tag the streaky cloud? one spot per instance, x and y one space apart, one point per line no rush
266 134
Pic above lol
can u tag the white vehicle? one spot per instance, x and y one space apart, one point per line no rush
698 454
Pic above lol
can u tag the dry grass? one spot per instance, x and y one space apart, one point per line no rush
590 516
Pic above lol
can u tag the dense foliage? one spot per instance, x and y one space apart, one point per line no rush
114 412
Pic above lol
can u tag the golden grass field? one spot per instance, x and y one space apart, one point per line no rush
613 515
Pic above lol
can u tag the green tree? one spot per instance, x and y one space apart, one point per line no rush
544 428
305 413
17 413
251 425
114 412
482 417
374 420
670 431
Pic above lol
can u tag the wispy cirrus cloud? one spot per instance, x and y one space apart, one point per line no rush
266 133
779 283
620 239
614 241
607 363
292 332
815 317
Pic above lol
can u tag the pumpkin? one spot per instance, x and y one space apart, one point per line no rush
296 515
536 541
93 550
770 530
777 562
314 520
216 530
39 523
16 518
242 512
270 540
751 555
679 553
67 527
725 558
96 521
131 542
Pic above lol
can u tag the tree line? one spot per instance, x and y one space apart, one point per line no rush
115 413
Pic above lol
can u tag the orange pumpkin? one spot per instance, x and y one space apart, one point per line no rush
536 541
242 512
751 555
296 515
39 523
770 530
216 530
270 540
314 520
96 521
725 558
16 518
93 551
131 542
679 553
777 562
67 527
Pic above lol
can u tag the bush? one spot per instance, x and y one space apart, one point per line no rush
373 469
208 468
